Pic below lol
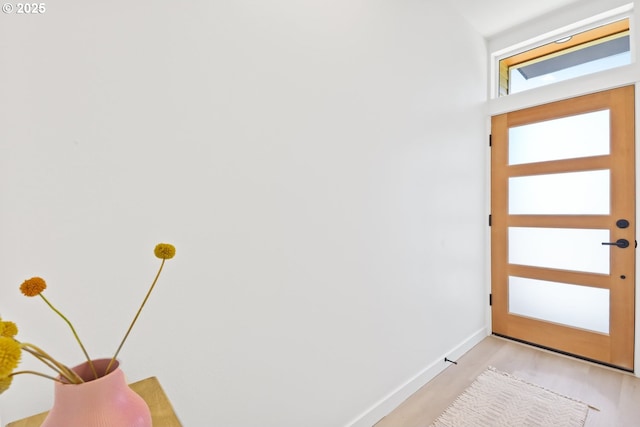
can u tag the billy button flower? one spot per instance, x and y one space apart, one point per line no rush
34 287
164 251
5 383
10 352
8 329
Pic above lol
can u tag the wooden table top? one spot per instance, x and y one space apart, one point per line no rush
149 389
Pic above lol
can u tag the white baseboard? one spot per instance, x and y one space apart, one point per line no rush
387 404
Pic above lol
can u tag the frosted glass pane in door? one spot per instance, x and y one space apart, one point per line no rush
583 135
573 305
561 248
577 193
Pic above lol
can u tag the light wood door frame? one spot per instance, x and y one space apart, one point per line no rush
617 347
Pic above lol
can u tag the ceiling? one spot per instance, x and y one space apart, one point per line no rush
491 17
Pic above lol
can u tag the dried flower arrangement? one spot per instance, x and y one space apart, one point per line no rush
11 349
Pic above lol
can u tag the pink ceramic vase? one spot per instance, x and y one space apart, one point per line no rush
104 402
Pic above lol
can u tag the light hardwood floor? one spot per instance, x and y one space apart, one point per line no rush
615 393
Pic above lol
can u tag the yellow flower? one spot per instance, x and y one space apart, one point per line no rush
32 287
10 353
164 251
8 329
5 383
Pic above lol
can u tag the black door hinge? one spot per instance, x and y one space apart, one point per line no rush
490 299
489 220
490 140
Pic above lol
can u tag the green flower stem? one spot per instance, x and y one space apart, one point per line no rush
93 369
52 363
43 360
135 318
36 373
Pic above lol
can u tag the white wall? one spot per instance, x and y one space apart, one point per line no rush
319 167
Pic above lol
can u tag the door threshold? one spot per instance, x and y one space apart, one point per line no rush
564 353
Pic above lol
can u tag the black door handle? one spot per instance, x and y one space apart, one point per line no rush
621 243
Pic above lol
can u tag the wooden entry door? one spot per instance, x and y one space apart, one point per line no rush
563 226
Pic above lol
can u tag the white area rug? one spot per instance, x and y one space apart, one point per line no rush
497 399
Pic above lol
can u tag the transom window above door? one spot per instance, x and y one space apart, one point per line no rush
588 51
